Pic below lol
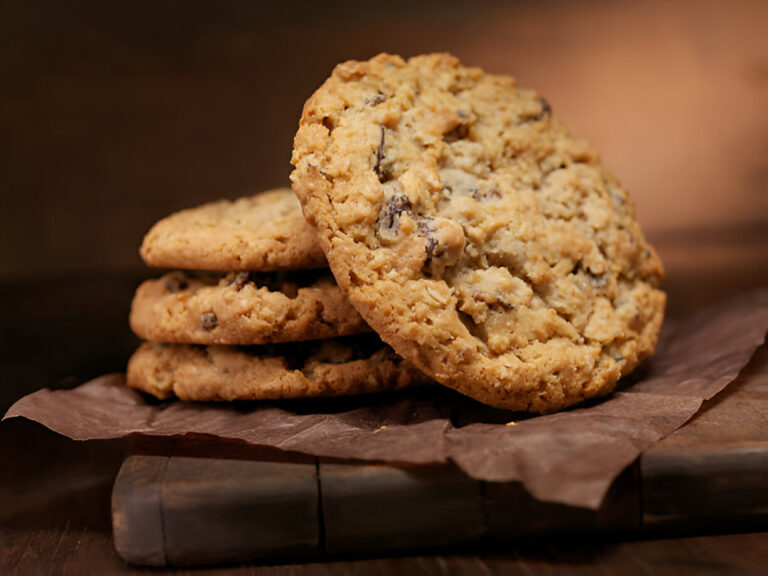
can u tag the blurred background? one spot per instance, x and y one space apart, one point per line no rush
117 113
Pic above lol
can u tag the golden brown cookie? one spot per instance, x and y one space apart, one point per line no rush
479 238
243 308
340 367
261 232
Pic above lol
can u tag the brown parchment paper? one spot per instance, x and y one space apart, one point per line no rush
570 457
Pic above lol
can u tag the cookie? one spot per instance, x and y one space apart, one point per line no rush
299 370
243 308
262 232
479 238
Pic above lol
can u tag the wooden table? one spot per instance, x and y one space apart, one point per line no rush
55 493
55 520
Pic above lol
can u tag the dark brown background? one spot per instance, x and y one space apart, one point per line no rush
115 113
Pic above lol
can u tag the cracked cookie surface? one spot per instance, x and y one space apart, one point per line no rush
243 308
262 232
477 236
339 367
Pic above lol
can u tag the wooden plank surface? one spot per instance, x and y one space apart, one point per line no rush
224 503
238 510
137 510
714 471
198 502
511 512
379 508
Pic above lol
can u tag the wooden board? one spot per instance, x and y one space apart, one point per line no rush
376 508
712 474
194 502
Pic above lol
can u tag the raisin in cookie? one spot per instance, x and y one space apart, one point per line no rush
479 238
262 232
299 370
243 308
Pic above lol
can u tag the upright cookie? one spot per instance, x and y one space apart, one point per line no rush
262 232
243 308
298 370
474 233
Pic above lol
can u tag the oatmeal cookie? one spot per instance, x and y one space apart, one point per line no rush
298 370
474 233
243 308
262 232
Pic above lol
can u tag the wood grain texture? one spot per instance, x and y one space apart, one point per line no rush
206 502
376 508
238 510
219 504
55 519
137 510
511 512
714 471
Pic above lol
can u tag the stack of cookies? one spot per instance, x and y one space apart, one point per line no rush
251 311
469 229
